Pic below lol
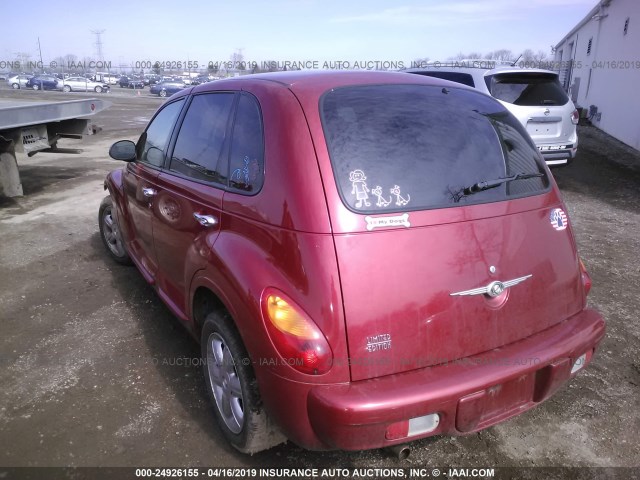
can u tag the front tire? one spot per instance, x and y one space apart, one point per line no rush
163 93
110 232
36 87
98 89
66 88
233 389
15 86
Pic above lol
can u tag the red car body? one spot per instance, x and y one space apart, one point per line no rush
409 355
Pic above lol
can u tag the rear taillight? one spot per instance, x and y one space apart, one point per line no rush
575 117
586 279
296 337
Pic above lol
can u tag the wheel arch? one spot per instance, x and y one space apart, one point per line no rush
114 184
203 302
207 296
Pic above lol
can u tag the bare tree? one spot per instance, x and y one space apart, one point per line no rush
533 59
71 62
23 58
61 66
502 54
272 65
86 62
237 60
540 56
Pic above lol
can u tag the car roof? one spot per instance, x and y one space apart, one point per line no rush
322 80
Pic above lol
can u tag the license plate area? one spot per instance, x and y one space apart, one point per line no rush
543 129
487 407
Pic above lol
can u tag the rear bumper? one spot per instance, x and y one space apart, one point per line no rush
558 154
468 395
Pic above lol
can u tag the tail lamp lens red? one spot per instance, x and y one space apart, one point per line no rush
296 337
586 278
575 117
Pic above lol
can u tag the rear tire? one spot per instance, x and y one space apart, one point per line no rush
163 93
110 232
233 389
36 87
15 86
66 88
98 89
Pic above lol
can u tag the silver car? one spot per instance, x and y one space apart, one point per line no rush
82 84
534 96
18 81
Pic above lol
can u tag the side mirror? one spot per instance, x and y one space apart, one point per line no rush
124 150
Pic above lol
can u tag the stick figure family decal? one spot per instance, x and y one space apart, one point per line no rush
361 191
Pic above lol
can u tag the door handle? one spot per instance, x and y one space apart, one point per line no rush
149 192
205 220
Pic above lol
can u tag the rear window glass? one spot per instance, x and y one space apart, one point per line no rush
527 89
409 147
458 77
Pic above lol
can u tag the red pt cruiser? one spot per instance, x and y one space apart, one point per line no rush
367 258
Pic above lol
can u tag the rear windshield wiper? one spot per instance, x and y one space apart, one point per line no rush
486 185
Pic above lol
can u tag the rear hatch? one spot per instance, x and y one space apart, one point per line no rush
538 101
415 243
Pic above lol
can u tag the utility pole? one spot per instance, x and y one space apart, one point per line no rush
40 51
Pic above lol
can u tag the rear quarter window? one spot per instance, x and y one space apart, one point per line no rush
413 147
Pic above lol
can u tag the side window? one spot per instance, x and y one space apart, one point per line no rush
246 164
154 140
199 150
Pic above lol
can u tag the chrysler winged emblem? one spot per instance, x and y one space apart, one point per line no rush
493 289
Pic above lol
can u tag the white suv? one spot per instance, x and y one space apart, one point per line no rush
534 96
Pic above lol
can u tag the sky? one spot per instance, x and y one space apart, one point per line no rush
287 30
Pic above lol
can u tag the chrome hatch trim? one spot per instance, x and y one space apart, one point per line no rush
493 289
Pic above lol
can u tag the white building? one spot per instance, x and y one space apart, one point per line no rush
600 66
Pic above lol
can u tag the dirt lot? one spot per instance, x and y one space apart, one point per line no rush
95 371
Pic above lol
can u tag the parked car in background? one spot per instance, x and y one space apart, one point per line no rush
367 258
105 77
152 79
131 82
18 81
82 84
44 82
200 79
166 89
534 96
